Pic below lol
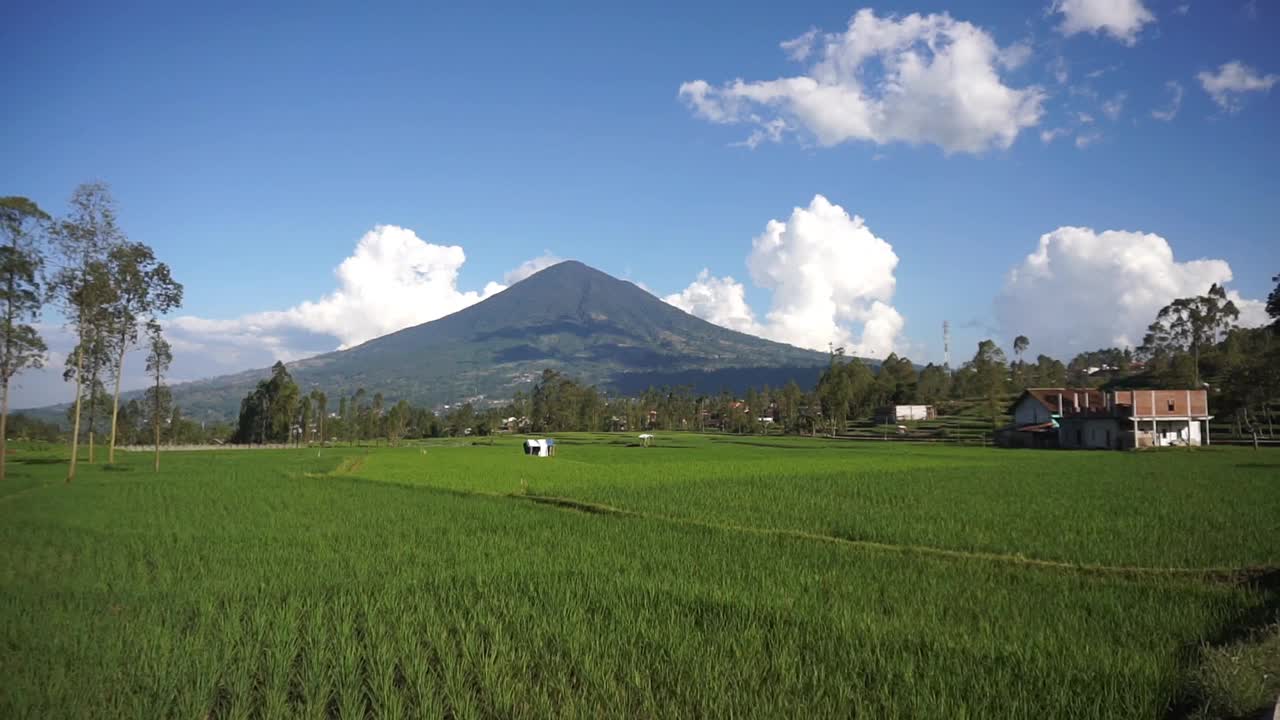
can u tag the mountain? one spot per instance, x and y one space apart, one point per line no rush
569 317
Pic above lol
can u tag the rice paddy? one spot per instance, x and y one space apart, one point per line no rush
710 576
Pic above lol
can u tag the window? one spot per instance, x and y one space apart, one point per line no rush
1171 405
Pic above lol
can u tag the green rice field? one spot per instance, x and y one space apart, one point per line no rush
709 576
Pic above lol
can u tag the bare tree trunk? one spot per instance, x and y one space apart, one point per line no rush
75 424
4 423
155 422
115 407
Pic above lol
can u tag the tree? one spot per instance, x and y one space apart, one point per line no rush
1190 325
159 356
21 260
356 408
397 421
322 409
82 285
988 374
934 384
1020 345
375 417
144 290
1273 305
304 421
268 412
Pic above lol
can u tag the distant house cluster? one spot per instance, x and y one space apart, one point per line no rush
1086 418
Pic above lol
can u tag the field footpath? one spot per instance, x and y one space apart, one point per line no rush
1267 575
1219 574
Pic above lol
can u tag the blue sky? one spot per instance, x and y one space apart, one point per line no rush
253 148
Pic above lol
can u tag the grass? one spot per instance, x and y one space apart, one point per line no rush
419 582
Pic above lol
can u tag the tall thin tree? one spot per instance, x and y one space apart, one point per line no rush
159 356
145 289
82 239
21 221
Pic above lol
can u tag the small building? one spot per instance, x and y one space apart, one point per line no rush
1087 418
894 414
543 447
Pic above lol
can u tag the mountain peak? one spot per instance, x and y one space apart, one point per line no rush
568 317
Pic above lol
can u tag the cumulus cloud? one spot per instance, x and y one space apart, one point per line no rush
392 280
722 301
1170 111
1233 79
1121 19
531 266
831 282
915 79
1081 289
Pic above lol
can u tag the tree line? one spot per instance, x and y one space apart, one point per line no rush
110 291
1191 341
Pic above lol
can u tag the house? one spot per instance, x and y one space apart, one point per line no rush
1123 419
894 414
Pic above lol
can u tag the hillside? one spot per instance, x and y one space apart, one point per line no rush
568 317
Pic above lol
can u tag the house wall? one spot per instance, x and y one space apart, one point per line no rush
1165 403
912 412
1091 434
1168 433
1030 411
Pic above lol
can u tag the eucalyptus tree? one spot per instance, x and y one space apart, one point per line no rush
21 261
1193 325
144 290
1273 305
304 421
82 284
322 409
159 356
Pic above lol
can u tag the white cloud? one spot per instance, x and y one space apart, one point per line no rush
914 79
1084 140
1081 290
1121 19
718 300
799 48
1113 107
531 266
1182 9
1084 118
391 281
827 273
1048 136
1061 73
1175 103
1231 81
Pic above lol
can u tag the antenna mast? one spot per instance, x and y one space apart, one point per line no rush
946 345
